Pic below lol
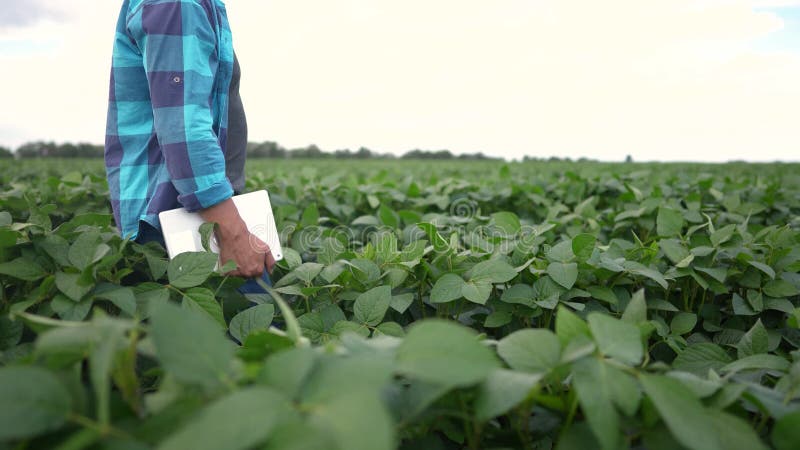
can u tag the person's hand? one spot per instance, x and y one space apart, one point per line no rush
236 243
250 253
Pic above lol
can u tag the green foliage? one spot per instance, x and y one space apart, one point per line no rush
419 305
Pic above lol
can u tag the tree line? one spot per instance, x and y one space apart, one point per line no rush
268 149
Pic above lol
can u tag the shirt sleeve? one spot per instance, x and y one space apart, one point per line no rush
179 46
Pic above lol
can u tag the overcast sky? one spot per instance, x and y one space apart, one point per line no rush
702 80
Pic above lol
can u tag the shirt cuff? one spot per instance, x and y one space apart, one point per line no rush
208 197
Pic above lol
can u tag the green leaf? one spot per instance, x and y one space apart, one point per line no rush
73 285
191 269
237 422
583 246
457 358
498 319
591 383
669 222
629 214
447 288
564 274
561 252
617 339
741 307
86 250
702 357
502 390
8 238
636 311
402 302
755 341
683 413
683 323
300 436
339 328
786 432
507 222
156 262
492 271
32 402
530 350
717 273
68 309
388 216
722 235
735 433
755 299
603 294
310 216
519 294
357 421
288 371
10 332
638 269
436 239
569 325
477 291
764 268
389 329
780 288
308 271
760 361
57 247
121 297
365 271
110 340
371 306
257 317
580 437
190 345
203 300
674 250
23 268
148 296
337 376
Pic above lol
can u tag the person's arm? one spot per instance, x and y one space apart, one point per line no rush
179 47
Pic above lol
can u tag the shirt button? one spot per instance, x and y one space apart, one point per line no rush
177 79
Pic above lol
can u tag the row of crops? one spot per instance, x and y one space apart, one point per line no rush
420 305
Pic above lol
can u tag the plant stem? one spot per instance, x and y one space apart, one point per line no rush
573 408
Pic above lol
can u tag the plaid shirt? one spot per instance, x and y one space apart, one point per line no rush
168 109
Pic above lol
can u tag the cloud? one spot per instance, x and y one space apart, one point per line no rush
26 13
774 3
658 80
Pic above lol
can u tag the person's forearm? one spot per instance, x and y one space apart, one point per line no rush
229 223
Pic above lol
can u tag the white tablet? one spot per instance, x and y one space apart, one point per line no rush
182 229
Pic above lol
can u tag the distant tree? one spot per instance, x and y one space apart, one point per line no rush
363 153
629 159
343 154
5 153
266 150
36 149
41 149
86 150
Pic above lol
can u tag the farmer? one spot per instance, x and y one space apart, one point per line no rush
176 130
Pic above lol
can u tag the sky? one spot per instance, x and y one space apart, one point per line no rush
660 80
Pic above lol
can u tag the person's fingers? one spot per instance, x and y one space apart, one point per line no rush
258 245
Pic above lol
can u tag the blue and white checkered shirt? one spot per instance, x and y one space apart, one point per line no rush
167 120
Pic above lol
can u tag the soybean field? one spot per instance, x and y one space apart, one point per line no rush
420 305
